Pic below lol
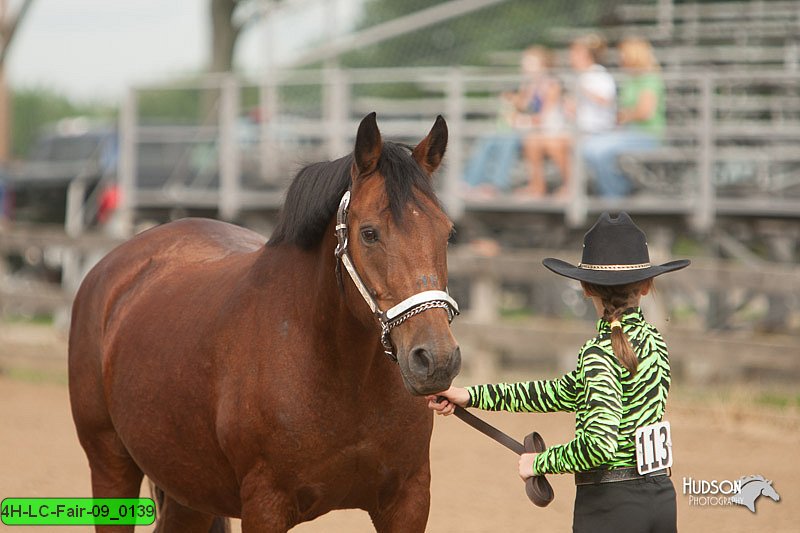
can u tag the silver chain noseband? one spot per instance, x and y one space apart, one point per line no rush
401 312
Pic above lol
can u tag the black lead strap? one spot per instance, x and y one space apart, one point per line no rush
538 489
489 430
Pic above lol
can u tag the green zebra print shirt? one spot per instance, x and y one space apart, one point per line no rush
609 404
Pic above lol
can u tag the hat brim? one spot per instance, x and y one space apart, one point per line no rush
611 277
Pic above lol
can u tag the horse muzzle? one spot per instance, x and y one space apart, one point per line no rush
427 368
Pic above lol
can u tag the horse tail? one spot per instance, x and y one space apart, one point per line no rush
221 524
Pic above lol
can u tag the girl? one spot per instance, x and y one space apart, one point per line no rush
620 386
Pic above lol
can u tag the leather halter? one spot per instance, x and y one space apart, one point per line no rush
401 312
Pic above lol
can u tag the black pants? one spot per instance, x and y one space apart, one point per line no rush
636 506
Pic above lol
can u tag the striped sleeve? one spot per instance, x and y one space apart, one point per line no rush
526 396
596 443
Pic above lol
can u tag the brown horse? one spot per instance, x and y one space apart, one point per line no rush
248 379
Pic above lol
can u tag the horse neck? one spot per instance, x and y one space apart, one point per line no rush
341 338
343 326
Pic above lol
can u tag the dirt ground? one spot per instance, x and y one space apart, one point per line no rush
475 487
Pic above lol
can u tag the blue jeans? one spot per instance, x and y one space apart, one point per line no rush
601 152
493 159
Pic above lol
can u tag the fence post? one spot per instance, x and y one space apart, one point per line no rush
576 211
229 157
705 209
268 128
484 310
76 192
336 111
122 225
454 109
70 257
665 15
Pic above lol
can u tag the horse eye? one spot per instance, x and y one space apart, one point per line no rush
369 235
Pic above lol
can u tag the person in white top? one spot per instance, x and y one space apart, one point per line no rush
592 108
595 99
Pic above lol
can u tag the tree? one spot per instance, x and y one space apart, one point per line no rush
8 28
229 18
470 39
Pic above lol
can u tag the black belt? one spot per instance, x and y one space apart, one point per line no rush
593 477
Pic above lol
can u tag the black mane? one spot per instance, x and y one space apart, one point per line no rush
314 195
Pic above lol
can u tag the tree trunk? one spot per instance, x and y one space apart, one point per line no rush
224 33
8 28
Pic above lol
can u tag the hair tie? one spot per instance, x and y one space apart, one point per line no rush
616 324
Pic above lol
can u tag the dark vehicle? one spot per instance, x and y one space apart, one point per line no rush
71 151
170 159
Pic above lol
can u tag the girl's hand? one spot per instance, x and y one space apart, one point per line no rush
526 465
452 397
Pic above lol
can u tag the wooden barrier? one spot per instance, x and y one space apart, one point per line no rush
491 342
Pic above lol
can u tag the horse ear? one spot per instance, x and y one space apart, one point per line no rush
368 145
430 151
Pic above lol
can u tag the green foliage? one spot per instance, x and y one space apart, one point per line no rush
34 108
172 105
470 39
188 106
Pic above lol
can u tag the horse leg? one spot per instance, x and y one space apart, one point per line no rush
407 511
264 510
114 474
182 516
175 517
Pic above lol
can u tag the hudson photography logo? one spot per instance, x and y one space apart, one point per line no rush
744 491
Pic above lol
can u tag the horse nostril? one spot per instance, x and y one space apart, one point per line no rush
421 362
455 361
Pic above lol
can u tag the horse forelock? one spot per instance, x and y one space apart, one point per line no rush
404 179
314 194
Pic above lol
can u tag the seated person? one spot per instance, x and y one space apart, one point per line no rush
641 118
592 107
489 168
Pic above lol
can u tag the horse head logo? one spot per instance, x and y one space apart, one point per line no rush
751 488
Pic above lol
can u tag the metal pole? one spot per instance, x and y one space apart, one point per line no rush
665 14
229 157
456 92
268 103
268 109
705 209
73 221
577 209
336 111
127 165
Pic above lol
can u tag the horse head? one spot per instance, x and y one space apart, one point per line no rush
397 236
769 491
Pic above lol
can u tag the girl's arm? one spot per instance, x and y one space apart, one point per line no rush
595 443
527 396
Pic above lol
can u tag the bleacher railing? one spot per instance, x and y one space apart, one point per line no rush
731 147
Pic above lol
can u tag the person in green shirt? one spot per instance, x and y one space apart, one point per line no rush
641 118
618 392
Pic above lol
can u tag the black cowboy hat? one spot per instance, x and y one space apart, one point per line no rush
614 253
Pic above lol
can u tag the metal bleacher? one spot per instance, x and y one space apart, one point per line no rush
732 148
